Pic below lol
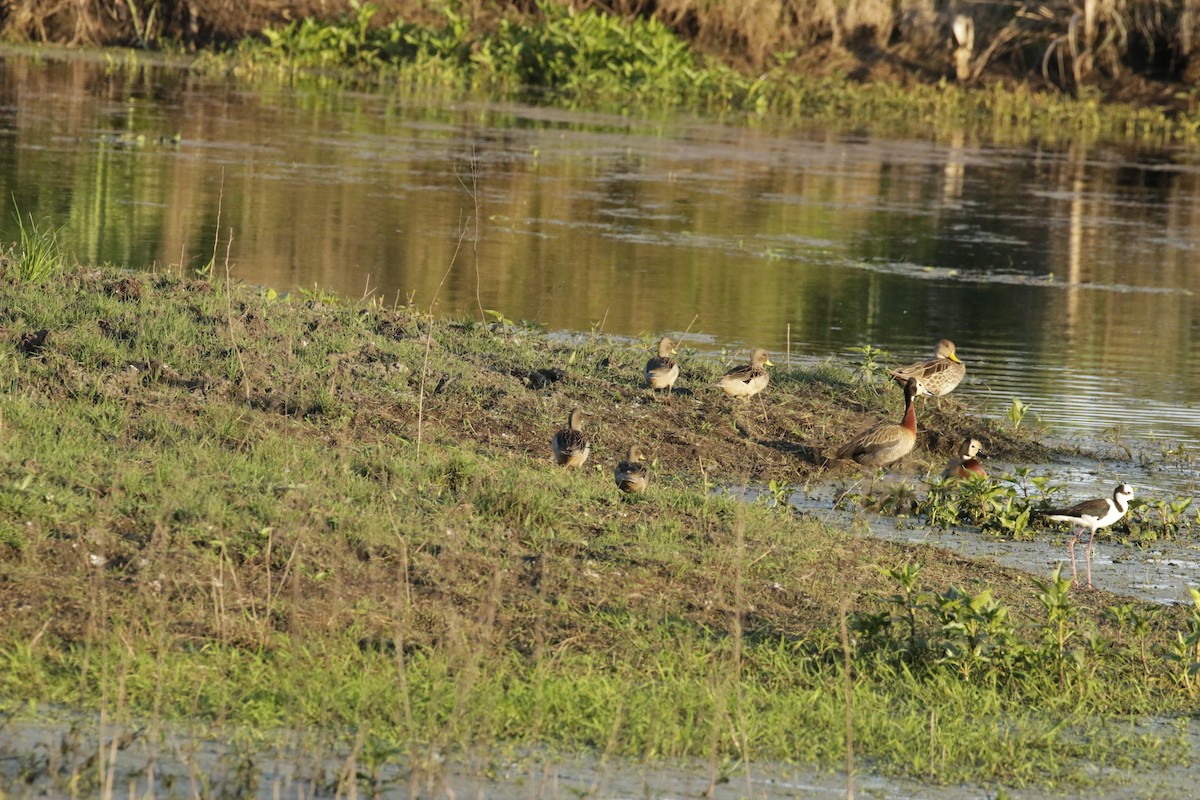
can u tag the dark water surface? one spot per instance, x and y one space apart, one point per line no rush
1067 277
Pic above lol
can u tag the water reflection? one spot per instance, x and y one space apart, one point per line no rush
1066 277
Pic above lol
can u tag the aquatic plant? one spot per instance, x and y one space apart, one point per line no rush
1017 412
779 494
997 506
1155 518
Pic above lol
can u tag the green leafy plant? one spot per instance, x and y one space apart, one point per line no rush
941 504
869 364
993 506
500 323
1138 623
1153 518
1055 597
976 631
1017 412
1184 651
313 43
909 598
1011 518
779 493
316 294
1030 484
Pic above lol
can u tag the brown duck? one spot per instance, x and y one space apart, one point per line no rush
886 442
632 474
661 370
965 464
748 379
570 444
938 375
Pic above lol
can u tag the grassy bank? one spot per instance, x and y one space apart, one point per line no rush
222 505
1126 74
592 59
1060 43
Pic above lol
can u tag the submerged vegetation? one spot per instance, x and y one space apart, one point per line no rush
225 505
1007 508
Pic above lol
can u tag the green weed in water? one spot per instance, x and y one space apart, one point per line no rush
1017 412
1151 519
779 494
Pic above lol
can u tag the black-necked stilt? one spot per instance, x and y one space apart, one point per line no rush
632 474
938 375
748 379
1091 515
570 445
965 464
661 371
886 442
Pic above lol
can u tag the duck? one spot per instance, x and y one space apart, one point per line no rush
1091 515
632 475
661 370
748 379
938 375
886 442
965 464
570 444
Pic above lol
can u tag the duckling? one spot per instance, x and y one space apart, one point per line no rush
632 474
938 375
570 444
748 379
661 370
886 442
965 464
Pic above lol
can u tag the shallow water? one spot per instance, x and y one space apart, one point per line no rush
53 758
1067 277
1158 573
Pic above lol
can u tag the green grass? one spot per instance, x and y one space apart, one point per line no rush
212 509
38 255
591 59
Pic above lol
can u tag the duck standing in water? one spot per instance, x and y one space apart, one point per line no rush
570 445
886 442
661 370
965 464
748 379
938 375
1091 515
632 475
